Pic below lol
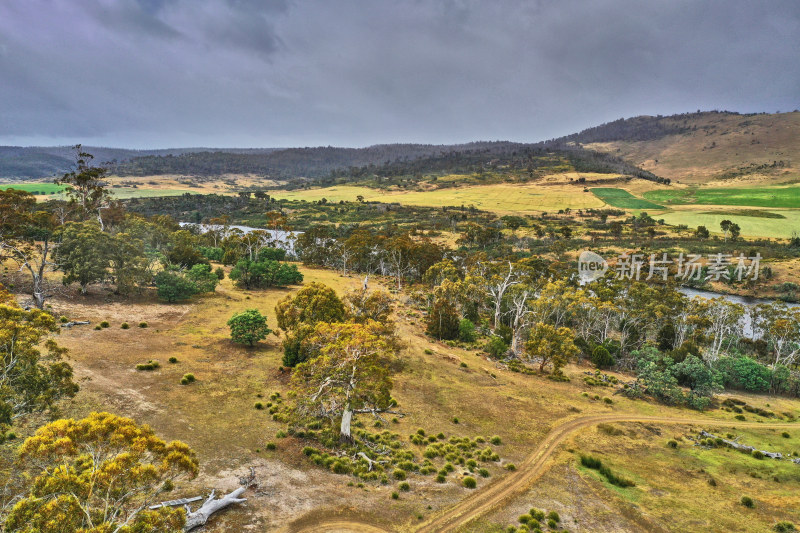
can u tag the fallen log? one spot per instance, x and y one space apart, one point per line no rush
75 323
211 506
172 503
741 447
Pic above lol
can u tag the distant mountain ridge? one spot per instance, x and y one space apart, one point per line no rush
695 147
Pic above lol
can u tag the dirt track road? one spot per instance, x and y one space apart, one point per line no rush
496 494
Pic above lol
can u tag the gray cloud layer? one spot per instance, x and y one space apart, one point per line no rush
167 73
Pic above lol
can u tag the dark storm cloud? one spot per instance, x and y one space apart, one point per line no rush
154 73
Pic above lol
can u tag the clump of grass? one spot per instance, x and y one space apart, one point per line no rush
150 365
428 351
125 325
595 464
552 515
104 324
281 434
740 417
784 527
63 319
469 482
748 502
404 486
672 444
511 467
399 474
259 406
757 454
496 440
785 435
97 328
188 378
173 360
270 445
142 325
455 420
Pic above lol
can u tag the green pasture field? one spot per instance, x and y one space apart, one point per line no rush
622 198
755 197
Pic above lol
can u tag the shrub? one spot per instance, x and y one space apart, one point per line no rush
142 324
602 358
469 482
150 365
785 435
188 378
748 502
483 472
608 400
404 486
740 417
172 286
525 518
270 445
399 474
281 434
455 420
97 328
511 467
496 347
63 319
672 444
757 454
496 440
395 496
125 325
552 515
428 351
259 406
784 527
173 360
248 327
441 478
104 324
466 331
552 524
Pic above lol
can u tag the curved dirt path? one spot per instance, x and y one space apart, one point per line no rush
534 466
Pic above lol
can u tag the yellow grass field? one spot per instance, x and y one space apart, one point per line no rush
500 198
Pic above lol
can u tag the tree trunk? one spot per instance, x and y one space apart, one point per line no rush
344 428
741 447
211 506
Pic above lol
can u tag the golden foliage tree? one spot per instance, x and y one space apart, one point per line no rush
98 475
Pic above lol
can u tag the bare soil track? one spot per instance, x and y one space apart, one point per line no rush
495 495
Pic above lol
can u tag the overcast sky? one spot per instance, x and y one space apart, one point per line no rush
259 73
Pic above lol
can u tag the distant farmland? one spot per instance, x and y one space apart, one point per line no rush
622 198
755 197
35 188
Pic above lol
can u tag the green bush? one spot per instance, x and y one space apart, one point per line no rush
757 454
271 445
125 325
785 435
404 486
602 358
784 527
259 406
466 331
496 347
150 365
399 474
104 324
469 482
672 444
455 420
188 378
173 360
748 502
552 515
395 496
248 327
496 440
142 325
510 467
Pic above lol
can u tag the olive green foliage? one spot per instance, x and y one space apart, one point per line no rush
248 327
